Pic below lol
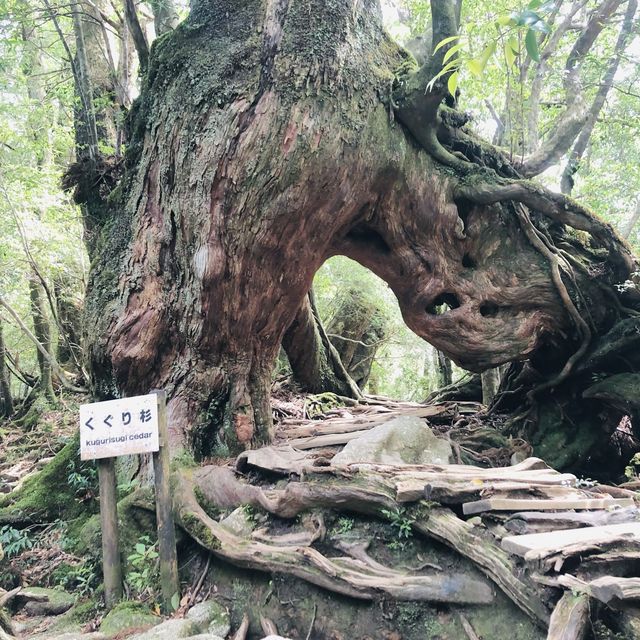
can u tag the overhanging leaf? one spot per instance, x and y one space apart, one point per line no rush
531 44
452 83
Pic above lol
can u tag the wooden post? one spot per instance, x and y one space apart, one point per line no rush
164 511
111 567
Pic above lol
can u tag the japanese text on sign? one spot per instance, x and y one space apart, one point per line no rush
119 427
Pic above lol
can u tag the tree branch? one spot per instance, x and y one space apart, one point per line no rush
569 124
573 163
45 354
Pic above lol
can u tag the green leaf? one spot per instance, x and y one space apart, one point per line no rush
452 51
489 50
531 43
175 601
444 42
140 548
452 83
505 20
534 4
475 66
511 51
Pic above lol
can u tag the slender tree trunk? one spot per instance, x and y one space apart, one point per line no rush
490 384
165 16
631 222
6 398
315 362
445 371
42 331
575 157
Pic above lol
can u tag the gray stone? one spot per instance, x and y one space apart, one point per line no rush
210 616
204 636
402 440
170 630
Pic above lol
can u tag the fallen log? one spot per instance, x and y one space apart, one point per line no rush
556 503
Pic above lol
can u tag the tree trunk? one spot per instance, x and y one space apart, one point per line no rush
261 146
315 362
356 329
42 331
490 383
165 16
6 398
445 372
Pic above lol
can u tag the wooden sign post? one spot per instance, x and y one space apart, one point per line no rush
121 427
164 513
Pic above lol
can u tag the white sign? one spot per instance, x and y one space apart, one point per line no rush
119 427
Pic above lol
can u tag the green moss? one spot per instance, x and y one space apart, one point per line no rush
47 495
200 531
127 615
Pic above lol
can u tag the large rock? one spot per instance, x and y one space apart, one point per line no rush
128 616
210 617
171 630
403 440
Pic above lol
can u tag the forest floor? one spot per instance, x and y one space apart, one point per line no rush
358 545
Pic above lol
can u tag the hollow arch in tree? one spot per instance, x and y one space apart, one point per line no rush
273 134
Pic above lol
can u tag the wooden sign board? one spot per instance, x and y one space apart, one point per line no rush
119 427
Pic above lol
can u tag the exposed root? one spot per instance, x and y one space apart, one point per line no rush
343 575
241 633
581 324
369 493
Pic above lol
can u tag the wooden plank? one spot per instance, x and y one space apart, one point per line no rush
111 566
538 522
329 440
557 540
570 618
608 588
555 504
169 582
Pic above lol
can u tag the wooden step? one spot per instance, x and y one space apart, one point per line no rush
557 540
554 504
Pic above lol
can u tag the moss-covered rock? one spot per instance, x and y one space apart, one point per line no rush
48 495
128 616
55 602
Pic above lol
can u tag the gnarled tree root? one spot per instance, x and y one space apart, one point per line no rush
345 575
365 494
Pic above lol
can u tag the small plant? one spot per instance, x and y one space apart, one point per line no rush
399 519
125 488
632 470
344 525
586 483
83 479
81 580
143 577
14 541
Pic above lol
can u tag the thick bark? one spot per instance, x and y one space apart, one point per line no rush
6 397
42 332
315 362
262 146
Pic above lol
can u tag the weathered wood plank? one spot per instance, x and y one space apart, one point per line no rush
537 545
506 504
111 566
538 522
570 618
608 589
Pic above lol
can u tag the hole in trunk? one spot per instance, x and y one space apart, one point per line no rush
449 299
468 262
489 309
